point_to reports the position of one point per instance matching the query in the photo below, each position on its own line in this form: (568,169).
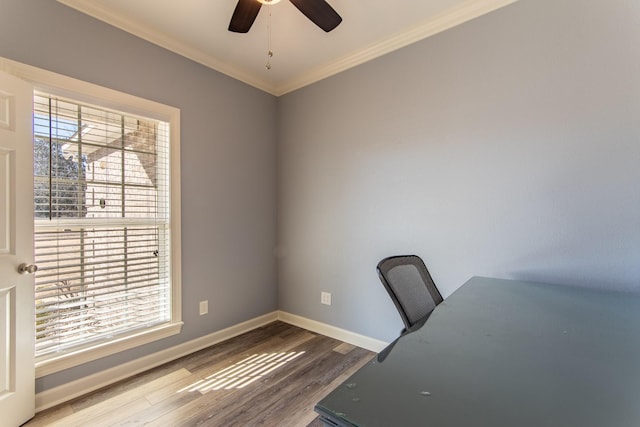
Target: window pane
(105,201)
(99,273)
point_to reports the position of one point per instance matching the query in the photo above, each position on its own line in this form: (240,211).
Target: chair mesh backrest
(410,286)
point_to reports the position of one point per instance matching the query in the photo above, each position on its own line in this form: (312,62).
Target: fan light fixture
(318,11)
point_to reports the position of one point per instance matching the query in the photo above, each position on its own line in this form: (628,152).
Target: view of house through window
(101,197)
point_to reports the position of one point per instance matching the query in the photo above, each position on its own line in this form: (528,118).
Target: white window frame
(63,86)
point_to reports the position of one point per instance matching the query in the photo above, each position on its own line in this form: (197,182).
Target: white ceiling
(303,53)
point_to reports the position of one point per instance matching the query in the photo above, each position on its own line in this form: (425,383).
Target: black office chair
(410,286)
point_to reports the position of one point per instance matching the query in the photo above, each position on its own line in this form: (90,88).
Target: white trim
(175,216)
(363,341)
(57,395)
(79,387)
(449,18)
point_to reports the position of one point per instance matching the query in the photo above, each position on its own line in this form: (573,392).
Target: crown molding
(447,19)
(442,22)
(149,34)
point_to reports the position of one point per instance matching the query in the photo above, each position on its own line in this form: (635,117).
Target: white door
(17,372)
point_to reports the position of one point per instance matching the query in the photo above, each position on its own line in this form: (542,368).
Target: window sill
(58,362)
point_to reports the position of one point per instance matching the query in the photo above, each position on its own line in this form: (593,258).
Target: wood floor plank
(202,372)
(305,414)
(105,419)
(106,393)
(283,370)
(249,406)
(213,406)
(51,416)
(292,395)
(344,348)
(276,330)
(145,416)
(120,406)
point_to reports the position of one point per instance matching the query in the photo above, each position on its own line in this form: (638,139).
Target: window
(105,231)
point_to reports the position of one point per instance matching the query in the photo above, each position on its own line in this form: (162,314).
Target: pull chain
(269,52)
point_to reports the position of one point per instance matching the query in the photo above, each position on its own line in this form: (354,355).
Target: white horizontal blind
(101,193)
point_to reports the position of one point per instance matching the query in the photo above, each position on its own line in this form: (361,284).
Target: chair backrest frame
(384,269)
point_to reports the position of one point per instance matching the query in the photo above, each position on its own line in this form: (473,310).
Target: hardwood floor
(271,376)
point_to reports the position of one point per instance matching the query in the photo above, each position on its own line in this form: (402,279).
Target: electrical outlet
(204,307)
(325,298)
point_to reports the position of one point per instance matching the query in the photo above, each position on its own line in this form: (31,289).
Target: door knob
(27,268)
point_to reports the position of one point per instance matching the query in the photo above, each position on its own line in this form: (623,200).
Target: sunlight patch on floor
(243,373)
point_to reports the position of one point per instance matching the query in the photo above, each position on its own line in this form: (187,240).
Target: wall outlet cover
(325,298)
(204,307)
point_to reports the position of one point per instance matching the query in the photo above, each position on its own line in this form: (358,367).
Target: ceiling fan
(318,11)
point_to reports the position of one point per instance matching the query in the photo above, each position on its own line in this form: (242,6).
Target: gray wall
(508,146)
(228,160)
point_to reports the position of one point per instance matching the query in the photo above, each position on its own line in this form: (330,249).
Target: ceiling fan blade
(244,15)
(319,12)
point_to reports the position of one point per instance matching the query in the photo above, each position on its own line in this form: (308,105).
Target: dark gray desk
(505,353)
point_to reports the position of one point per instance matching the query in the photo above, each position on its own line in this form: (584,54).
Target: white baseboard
(79,387)
(365,342)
